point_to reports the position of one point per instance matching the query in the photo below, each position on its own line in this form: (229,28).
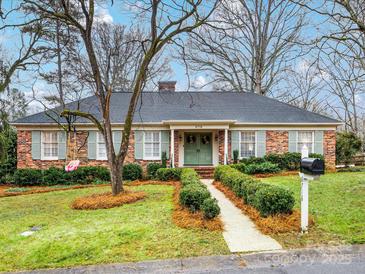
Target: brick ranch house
(200,129)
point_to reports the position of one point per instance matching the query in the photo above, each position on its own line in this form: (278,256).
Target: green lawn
(337,202)
(140,231)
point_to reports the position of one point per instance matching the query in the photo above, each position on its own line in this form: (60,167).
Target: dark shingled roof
(159,106)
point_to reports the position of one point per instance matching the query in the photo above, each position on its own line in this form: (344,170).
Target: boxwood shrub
(152,169)
(272,200)
(262,168)
(167,174)
(56,176)
(192,196)
(189,176)
(28,177)
(210,208)
(267,199)
(132,172)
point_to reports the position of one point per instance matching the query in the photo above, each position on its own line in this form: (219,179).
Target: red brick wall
(176,148)
(329,148)
(277,141)
(24,145)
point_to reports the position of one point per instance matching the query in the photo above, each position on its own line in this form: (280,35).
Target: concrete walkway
(240,232)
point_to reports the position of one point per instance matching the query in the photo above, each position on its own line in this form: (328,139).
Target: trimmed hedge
(193,194)
(284,161)
(132,172)
(152,169)
(267,199)
(271,200)
(167,174)
(55,176)
(262,168)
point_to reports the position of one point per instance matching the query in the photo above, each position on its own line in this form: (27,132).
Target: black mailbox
(312,166)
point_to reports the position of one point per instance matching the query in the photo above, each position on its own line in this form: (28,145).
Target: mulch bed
(281,223)
(37,189)
(284,173)
(181,216)
(107,200)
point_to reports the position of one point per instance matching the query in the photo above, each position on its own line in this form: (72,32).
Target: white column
(225,146)
(172,147)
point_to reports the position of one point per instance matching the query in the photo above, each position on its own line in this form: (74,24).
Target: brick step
(205,172)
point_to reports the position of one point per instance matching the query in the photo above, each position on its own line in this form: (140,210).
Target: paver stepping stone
(240,233)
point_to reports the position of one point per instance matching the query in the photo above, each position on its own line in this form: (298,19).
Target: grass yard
(140,231)
(337,202)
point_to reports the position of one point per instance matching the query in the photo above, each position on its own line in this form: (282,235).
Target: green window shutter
(117,140)
(261,143)
(293,137)
(62,149)
(91,145)
(318,141)
(235,141)
(36,144)
(165,142)
(138,144)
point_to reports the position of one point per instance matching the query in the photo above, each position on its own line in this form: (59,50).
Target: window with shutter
(49,145)
(247,144)
(152,145)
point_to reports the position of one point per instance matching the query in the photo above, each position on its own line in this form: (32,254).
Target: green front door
(198,149)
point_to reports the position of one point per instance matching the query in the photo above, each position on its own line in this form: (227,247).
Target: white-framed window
(49,145)
(247,144)
(152,145)
(305,138)
(100,147)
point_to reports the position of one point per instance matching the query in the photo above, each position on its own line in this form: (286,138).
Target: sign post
(304,195)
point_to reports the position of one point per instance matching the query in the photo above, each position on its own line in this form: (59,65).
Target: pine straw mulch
(284,173)
(181,216)
(107,200)
(271,225)
(37,189)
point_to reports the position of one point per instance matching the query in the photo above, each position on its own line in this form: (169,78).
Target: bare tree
(167,20)
(345,82)
(305,87)
(248,44)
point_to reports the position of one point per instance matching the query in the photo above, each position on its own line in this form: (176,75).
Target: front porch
(202,145)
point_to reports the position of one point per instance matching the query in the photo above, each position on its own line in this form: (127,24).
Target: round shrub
(28,177)
(210,208)
(152,169)
(132,172)
(193,195)
(274,200)
(250,190)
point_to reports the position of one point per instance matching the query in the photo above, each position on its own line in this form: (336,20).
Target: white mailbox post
(304,195)
(305,178)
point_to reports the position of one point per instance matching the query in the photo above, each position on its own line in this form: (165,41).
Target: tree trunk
(116,177)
